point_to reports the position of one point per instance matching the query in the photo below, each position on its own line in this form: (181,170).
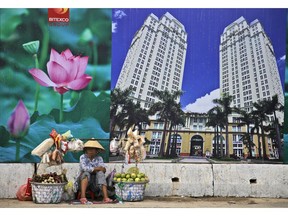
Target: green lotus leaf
(10,19)
(40,130)
(101,76)
(88,105)
(4,136)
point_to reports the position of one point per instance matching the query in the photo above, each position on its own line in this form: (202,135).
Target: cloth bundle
(52,150)
(134,147)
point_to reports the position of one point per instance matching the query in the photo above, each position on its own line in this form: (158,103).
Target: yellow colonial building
(196,139)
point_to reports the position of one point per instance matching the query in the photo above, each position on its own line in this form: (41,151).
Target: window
(156,135)
(154,147)
(236,128)
(178,139)
(144,125)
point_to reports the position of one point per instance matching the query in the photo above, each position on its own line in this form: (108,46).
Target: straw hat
(93,144)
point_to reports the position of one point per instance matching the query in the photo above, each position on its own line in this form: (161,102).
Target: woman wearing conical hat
(92,171)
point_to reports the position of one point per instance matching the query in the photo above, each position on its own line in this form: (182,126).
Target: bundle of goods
(52,150)
(134,147)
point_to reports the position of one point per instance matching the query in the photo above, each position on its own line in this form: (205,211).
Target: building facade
(248,67)
(196,139)
(155,59)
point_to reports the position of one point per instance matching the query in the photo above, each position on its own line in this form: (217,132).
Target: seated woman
(92,172)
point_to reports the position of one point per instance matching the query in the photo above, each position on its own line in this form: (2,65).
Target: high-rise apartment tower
(155,59)
(248,67)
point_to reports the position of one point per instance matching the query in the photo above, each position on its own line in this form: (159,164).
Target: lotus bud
(31,47)
(19,121)
(86,36)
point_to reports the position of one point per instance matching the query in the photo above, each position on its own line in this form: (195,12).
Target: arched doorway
(196,148)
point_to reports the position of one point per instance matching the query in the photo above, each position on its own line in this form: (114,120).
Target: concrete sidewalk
(164,202)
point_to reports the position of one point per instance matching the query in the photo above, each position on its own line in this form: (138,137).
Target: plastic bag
(110,177)
(24,193)
(68,192)
(43,147)
(113,146)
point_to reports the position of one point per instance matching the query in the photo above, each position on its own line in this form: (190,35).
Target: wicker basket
(130,191)
(47,193)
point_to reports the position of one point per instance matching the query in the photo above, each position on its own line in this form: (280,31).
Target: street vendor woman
(92,172)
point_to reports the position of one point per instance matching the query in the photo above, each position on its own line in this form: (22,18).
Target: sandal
(107,200)
(85,201)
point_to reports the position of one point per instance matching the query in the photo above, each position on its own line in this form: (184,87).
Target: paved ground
(164,202)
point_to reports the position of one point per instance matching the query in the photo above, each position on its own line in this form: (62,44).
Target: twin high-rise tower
(156,58)
(248,67)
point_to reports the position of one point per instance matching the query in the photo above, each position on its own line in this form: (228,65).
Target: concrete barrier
(250,180)
(167,179)
(12,177)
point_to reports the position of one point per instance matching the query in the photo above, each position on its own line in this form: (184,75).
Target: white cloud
(203,104)
(114,27)
(283,58)
(119,14)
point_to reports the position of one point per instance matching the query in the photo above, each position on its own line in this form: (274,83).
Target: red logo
(58,15)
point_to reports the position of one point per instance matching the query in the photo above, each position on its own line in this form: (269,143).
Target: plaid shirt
(87,165)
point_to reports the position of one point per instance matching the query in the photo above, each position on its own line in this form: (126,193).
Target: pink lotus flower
(65,72)
(19,121)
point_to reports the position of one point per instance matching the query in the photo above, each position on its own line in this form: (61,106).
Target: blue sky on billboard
(204,28)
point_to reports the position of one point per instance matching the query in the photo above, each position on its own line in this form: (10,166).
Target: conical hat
(93,144)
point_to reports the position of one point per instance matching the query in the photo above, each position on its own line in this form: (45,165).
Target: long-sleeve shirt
(87,165)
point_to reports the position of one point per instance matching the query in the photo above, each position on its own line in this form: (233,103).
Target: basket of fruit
(130,186)
(48,188)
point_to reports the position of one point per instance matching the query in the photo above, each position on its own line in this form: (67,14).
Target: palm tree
(176,119)
(260,112)
(212,123)
(119,98)
(216,120)
(273,105)
(257,128)
(246,119)
(225,104)
(135,115)
(271,133)
(164,107)
(119,121)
